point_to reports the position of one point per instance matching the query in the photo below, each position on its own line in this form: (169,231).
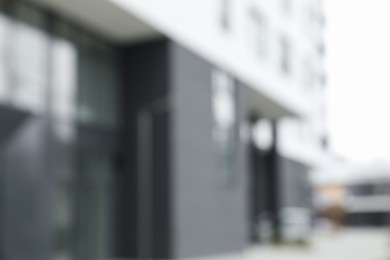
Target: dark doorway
(258,190)
(154,180)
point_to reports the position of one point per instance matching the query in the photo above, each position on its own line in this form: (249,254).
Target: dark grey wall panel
(194,211)
(209,217)
(295,188)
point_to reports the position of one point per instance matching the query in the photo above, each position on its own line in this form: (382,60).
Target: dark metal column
(274,191)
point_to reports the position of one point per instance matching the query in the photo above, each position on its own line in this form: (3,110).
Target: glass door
(154,181)
(85,210)
(93,206)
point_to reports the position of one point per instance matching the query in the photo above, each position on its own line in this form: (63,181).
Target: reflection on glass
(4,83)
(224,112)
(97,84)
(30,66)
(29,58)
(64,223)
(64,79)
(80,73)
(84,210)
(93,208)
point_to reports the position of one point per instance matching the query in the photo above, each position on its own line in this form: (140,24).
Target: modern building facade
(154,129)
(362,191)
(367,204)
(368,192)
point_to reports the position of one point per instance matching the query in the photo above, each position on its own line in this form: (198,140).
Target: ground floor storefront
(136,150)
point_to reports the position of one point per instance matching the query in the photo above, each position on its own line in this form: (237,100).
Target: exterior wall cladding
(209,214)
(294,184)
(154,177)
(198,213)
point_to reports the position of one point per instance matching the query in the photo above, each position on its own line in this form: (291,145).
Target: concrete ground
(363,244)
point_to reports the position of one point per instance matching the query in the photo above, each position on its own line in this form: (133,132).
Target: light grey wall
(209,216)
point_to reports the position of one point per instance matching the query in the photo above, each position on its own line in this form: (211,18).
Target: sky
(358,67)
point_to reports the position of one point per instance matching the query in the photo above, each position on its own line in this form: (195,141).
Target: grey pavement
(351,244)
(363,244)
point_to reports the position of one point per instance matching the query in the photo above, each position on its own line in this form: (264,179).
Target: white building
(138,140)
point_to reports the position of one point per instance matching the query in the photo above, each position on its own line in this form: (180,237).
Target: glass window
(64,222)
(29,68)
(83,216)
(258,31)
(363,189)
(382,189)
(308,75)
(4,57)
(224,112)
(83,80)
(285,55)
(94,208)
(225,14)
(64,79)
(98,81)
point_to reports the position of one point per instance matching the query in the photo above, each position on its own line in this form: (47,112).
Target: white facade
(273,47)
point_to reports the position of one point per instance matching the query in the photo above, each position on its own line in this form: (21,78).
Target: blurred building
(368,189)
(156,129)
(363,191)
(368,203)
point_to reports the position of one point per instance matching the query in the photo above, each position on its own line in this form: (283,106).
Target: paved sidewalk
(365,244)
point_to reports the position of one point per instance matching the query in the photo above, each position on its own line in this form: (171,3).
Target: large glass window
(87,79)
(30,60)
(94,207)
(83,212)
(85,86)
(97,102)
(64,79)
(4,76)
(70,78)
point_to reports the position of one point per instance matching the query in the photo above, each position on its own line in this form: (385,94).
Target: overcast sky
(358,64)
